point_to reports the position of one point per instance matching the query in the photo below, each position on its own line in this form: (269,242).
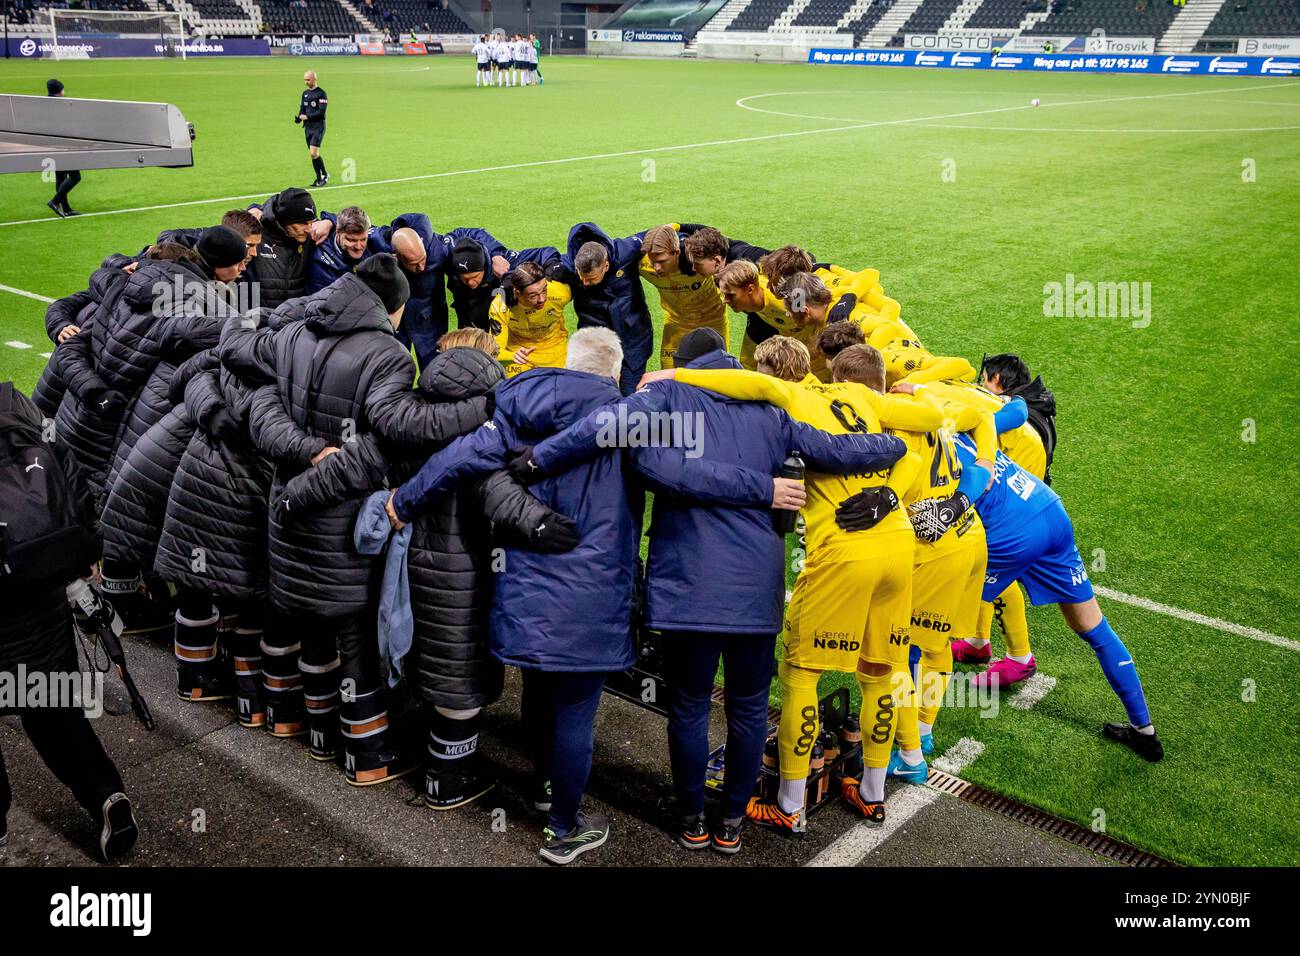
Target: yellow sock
(984,628)
(799,725)
(936,672)
(879,696)
(1011,616)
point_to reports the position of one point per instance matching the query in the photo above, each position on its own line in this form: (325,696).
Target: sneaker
(927,744)
(58,209)
(1004,672)
(771,815)
(119,831)
(907,772)
(693,835)
(873,812)
(542,796)
(69,211)
(1146,746)
(964,652)
(592,831)
(726,837)
(449,789)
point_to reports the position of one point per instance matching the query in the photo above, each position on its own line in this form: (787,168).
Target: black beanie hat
(468,256)
(696,343)
(53,87)
(294,205)
(221,247)
(385,279)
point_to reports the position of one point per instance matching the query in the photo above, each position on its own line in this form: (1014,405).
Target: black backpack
(41,538)
(1042,417)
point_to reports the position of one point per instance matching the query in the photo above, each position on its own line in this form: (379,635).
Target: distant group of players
(502,61)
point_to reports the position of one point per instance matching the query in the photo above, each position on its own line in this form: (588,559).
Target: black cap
(468,256)
(695,343)
(221,247)
(385,279)
(294,205)
(53,87)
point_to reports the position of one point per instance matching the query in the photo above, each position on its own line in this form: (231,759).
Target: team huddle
(327,541)
(506,61)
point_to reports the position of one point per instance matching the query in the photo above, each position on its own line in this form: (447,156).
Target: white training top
(480,51)
(503,52)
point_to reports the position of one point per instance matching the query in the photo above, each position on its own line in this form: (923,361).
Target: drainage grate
(1098,843)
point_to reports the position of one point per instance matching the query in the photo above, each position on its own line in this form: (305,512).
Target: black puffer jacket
(182,331)
(90,410)
(281,263)
(338,374)
(218,500)
(137,500)
(450,558)
(75,309)
(36,626)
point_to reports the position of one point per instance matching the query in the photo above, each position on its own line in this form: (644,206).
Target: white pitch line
(1204,620)
(424,177)
(1031,692)
(959,756)
(860,840)
(18,345)
(24,293)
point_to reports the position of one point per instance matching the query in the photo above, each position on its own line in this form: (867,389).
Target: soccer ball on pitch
(1034,101)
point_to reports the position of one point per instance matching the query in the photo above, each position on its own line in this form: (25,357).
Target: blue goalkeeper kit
(1031,540)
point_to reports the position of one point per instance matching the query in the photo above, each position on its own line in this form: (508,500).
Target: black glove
(932,517)
(843,308)
(523,468)
(491,403)
(555,535)
(866,509)
(223,425)
(558,272)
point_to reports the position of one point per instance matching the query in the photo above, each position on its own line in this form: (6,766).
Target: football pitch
(999,226)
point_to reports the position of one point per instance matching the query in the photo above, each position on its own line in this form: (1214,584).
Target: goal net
(161,32)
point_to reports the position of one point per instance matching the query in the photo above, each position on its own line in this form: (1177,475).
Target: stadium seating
(1003,13)
(759,16)
(930,16)
(422,16)
(1129,18)
(862,25)
(309,16)
(822,13)
(1256,18)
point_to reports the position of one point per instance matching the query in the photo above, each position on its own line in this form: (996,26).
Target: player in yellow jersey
(533,333)
(907,360)
(1022,444)
(851,606)
(813,302)
(745,289)
(689,301)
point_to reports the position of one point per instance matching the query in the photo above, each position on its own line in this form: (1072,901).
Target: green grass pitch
(1178,437)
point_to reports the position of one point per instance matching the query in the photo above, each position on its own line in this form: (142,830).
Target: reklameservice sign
(1064,63)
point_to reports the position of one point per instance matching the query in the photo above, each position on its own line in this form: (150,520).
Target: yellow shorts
(846,606)
(674,331)
(549,353)
(946,593)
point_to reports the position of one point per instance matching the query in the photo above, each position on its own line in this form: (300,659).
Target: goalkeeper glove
(932,517)
(866,509)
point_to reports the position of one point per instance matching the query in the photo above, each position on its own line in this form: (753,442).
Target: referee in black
(311,114)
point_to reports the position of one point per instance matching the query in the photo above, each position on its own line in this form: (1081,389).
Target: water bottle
(783,522)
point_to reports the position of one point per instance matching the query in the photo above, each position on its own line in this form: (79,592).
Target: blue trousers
(690,665)
(559,711)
